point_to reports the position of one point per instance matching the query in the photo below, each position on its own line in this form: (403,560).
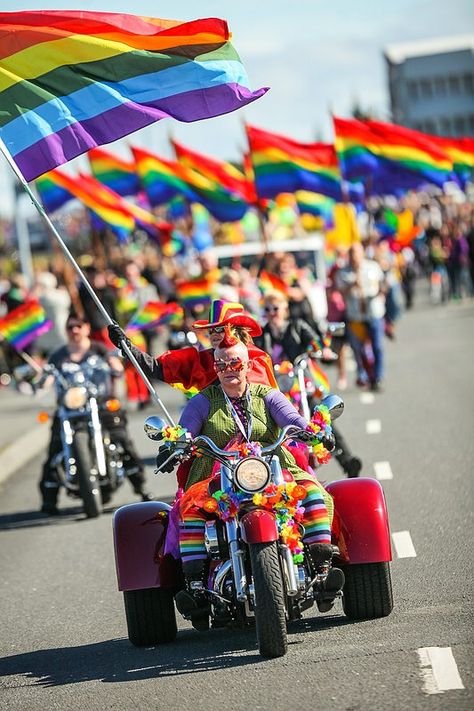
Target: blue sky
(316,56)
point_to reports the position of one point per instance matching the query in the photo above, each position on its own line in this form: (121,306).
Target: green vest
(220,426)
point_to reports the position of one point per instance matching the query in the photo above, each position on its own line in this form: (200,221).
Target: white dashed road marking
(383,471)
(439,670)
(367,398)
(373,426)
(403,544)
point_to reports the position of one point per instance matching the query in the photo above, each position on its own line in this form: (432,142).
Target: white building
(431,85)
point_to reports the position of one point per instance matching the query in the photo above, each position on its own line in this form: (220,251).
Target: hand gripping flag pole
(123,344)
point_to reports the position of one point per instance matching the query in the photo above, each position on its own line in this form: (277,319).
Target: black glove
(117,335)
(329,442)
(164,453)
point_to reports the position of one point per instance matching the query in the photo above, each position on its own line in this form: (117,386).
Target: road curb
(22,450)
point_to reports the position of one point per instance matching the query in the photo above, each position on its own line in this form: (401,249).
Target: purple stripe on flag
(32,335)
(109,126)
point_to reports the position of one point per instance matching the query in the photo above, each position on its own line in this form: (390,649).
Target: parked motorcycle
(90,465)
(255,576)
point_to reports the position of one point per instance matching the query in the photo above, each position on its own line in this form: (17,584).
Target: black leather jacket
(296,338)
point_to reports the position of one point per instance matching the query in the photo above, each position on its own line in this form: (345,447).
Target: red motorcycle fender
(360,527)
(259,526)
(139,539)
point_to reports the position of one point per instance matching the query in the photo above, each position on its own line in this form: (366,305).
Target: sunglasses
(217,329)
(271,309)
(234,364)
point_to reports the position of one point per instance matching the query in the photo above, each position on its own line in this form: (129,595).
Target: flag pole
(123,344)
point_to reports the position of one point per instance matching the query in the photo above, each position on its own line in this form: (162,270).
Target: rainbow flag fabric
(319,377)
(52,192)
(219,172)
(71,80)
(153,314)
(315,204)
(116,173)
(461,152)
(163,179)
(270,282)
(195,292)
(24,324)
(388,157)
(282,165)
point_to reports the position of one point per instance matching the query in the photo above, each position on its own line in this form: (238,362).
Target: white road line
(383,471)
(403,544)
(439,670)
(367,398)
(373,427)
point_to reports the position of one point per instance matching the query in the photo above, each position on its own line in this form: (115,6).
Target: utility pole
(23,237)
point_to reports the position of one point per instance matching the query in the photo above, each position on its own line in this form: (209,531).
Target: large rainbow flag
(461,152)
(116,173)
(315,204)
(24,324)
(282,165)
(388,157)
(163,179)
(220,172)
(71,80)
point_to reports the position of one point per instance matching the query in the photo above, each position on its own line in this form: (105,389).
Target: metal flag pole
(123,344)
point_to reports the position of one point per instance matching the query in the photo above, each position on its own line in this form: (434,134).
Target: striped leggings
(315,521)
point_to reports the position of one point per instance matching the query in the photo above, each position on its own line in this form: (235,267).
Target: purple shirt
(280,408)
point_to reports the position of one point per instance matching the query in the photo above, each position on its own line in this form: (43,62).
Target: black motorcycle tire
(151,617)
(367,591)
(89,487)
(270,616)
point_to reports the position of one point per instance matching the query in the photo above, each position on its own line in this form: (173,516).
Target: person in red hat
(188,368)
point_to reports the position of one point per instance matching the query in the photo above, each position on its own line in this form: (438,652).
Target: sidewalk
(21,436)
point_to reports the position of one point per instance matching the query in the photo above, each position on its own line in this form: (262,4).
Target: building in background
(431,85)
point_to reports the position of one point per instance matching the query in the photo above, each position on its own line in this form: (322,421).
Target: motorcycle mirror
(153,426)
(334,404)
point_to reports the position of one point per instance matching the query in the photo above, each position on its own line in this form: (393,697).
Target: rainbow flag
(270,282)
(319,376)
(153,314)
(52,193)
(389,157)
(219,172)
(196,292)
(117,174)
(163,179)
(71,80)
(282,165)
(461,152)
(24,324)
(315,204)
(110,210)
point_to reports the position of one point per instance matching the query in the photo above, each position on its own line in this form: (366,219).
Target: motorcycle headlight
(75,398)
(252,474)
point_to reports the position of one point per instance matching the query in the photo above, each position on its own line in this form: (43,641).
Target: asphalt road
(62,627)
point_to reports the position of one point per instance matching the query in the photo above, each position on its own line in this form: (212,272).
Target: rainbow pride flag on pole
(219,172)
(71,80)
(24,324)
(117,174)
(389,157)
(163,179)
(461,152)
(153,314)
(270,282)
(195,292)
(282,165)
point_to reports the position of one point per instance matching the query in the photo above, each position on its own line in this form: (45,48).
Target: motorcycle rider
(191,368)
(230,411)
(78,349)
(286,338)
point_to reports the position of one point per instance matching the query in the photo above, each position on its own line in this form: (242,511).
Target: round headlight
(252,474)
(75,398)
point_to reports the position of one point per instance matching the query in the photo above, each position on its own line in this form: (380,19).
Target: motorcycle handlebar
(234,452)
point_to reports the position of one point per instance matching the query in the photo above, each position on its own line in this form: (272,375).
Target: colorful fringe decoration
(71,80)
(320,426)
(24,324)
